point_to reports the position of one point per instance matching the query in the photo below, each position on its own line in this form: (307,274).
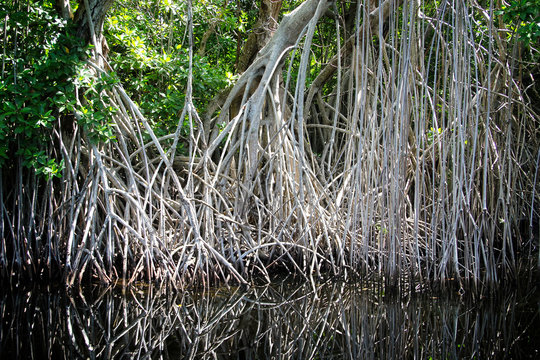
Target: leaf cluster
(43,68)
(524,16)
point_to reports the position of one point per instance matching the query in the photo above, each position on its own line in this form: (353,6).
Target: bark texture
(90,16)
(263,31)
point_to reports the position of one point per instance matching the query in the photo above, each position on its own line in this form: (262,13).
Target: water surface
(290,319)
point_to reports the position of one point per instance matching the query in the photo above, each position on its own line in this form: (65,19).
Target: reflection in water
(283,321)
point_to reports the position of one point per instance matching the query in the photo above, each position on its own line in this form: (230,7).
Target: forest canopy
(201,141)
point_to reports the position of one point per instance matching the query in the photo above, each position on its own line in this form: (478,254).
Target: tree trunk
(89,23)
(263,30)
(63,8)
(89,18)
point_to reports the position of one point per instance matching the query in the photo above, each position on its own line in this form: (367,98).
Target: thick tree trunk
(263,31)
(90,22)
(90,17)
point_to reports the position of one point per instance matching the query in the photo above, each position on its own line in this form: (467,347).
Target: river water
(289,319)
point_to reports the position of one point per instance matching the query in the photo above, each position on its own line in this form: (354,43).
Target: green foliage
(95,111)
(44,65)
(524,17)
(149,51)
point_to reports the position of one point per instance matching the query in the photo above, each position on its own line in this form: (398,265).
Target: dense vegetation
(220,140)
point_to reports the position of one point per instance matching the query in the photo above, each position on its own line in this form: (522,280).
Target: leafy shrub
(44,64)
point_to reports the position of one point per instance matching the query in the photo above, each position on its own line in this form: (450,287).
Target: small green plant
(432,134)
(381,229)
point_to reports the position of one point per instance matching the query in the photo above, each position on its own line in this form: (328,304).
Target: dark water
(287,320)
